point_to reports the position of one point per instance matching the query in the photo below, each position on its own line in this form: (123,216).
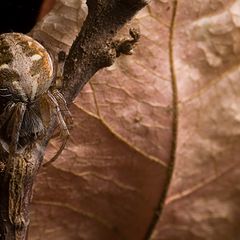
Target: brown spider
(26,100)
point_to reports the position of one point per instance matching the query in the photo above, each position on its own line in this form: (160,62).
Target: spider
(27,99)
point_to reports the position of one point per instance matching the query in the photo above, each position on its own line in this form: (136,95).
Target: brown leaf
(204,196)
(60,26)
(174,102)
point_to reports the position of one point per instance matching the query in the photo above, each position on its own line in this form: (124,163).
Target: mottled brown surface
(110,180)
(111,177)
(18,170)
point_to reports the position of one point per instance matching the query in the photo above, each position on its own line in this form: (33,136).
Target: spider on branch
(28,99)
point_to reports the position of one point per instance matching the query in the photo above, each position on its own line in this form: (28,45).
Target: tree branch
(93,49)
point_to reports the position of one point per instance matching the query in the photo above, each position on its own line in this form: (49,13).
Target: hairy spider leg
(7,112)
(17,119)
(4,117)
(63,108)
(63,127)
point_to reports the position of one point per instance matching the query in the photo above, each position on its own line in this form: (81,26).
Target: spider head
(26,68)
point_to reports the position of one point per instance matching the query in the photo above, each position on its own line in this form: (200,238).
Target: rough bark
(93,49)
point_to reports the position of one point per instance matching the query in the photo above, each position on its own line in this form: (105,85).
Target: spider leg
(16,121)
(63,127)
(63,108)
(6,113)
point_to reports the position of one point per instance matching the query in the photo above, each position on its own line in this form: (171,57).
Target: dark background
(18,16)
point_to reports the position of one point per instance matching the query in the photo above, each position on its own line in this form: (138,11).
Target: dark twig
(94,47)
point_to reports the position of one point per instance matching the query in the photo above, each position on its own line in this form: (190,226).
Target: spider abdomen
(26,68)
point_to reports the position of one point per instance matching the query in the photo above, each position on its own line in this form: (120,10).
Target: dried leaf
(204,196)
(175,102)
(58,29)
